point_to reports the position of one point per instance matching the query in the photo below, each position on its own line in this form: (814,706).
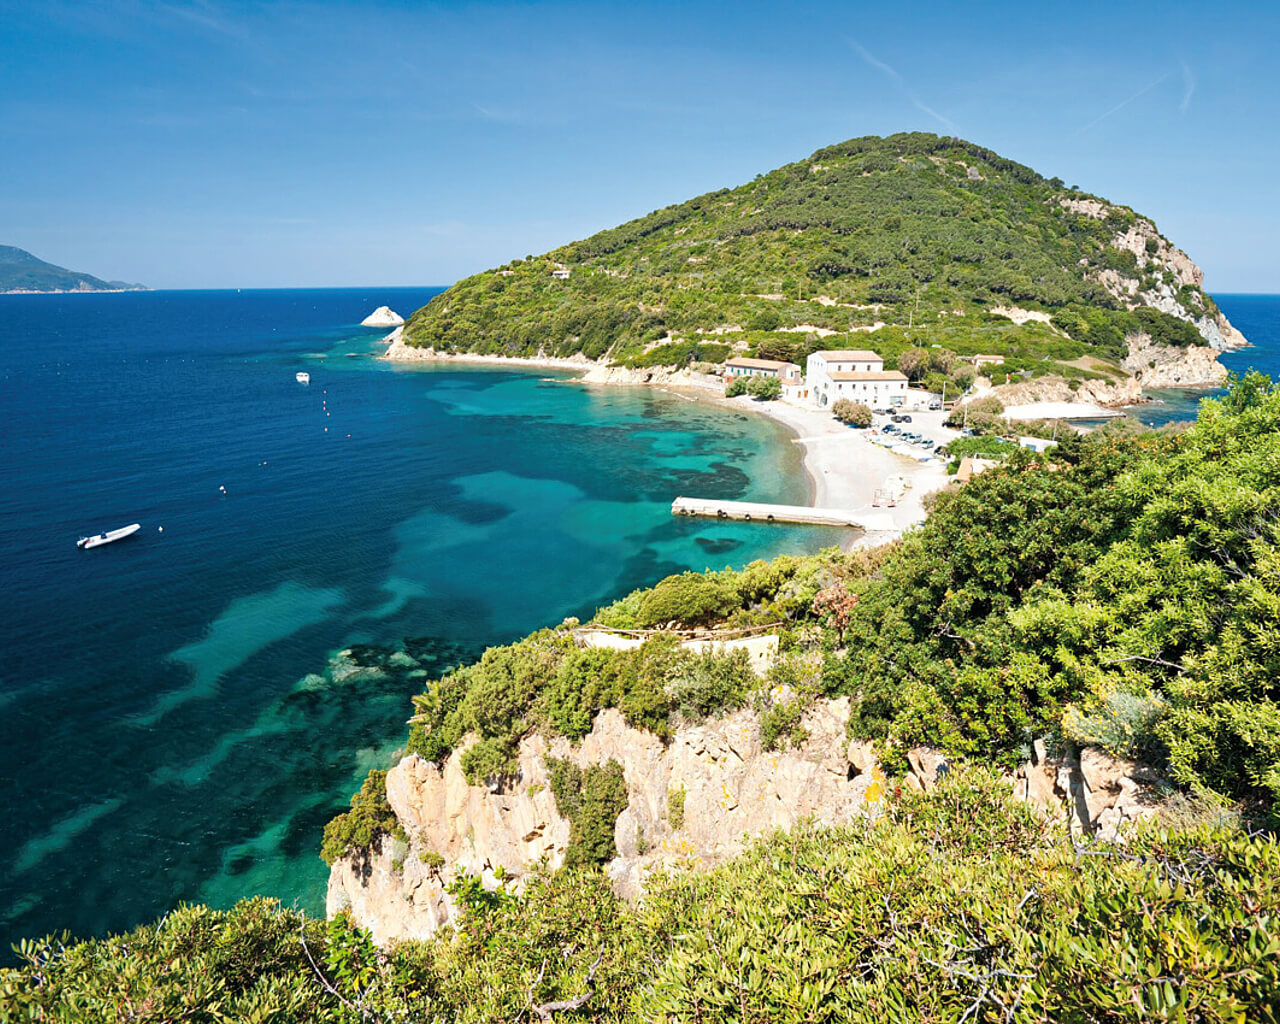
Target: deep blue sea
(175,723)
(176,719)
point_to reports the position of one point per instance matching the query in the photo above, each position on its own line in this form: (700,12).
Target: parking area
(916,434)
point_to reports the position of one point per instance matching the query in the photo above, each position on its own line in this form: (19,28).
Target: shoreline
(841,467)
(398,351)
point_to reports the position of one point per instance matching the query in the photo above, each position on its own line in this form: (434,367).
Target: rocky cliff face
(1056,389)
(1157,366)
(1168,267)
(383,316)
(691,804)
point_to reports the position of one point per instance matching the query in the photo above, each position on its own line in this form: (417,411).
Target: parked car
(926,443)
(904,418)
(935,405)
(889,428)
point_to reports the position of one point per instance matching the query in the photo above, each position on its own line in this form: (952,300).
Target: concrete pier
(755,511)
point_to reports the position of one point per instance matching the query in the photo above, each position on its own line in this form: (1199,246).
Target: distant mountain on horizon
(22,272)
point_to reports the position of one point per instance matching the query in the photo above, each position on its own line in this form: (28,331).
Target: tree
(737,386)
(765,389)
(776,349)
(855,414)
(914,362)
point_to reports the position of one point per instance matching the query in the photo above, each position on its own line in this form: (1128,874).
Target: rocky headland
(691,803)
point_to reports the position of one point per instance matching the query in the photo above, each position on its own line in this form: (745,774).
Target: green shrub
(709,683)
(765,389)
(591,799)
(767,319)
(855,414)
(1123,723)
(984,446)
(981,413)
(491,758)
(780,726)
(242,964)
(586,682)
(369,819)
(675,807)
(737,386)
(960,901)
(954,899)
(690,599)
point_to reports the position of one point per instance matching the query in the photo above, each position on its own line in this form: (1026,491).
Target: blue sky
(208,144)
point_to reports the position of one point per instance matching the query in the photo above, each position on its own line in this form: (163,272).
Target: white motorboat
(303,377)
(97,540)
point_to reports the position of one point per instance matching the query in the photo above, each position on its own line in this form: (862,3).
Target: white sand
(398,351)
(847,469)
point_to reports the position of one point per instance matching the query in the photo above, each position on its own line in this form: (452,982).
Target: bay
(177,721)
(177,718)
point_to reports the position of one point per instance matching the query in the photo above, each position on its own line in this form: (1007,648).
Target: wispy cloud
(207,16)
(1125,102)
(900,83)
(1188,87)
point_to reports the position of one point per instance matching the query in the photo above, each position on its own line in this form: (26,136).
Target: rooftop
(859,354)
(759,364)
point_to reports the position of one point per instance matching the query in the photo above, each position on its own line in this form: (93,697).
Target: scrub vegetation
(949,904)
(1117,590)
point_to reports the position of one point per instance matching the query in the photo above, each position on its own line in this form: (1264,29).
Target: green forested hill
(22,272)
(925,234)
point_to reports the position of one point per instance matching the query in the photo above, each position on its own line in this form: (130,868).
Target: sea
(181,712)
(1257,317)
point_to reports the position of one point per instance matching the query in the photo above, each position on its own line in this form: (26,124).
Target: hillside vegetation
(1122,592)
(952,906)
(1119,591)
(926,235)
(22,272)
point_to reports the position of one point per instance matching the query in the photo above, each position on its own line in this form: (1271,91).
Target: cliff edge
(690,804)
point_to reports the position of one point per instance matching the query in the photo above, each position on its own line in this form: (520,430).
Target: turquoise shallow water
(175,717)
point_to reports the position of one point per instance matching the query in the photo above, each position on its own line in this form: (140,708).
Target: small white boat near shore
(97,540)
(302,378)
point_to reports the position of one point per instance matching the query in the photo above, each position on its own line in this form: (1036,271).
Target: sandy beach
(847,469)
(844,468)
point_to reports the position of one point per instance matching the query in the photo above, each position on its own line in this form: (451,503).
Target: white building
(855,374)
(743,366)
